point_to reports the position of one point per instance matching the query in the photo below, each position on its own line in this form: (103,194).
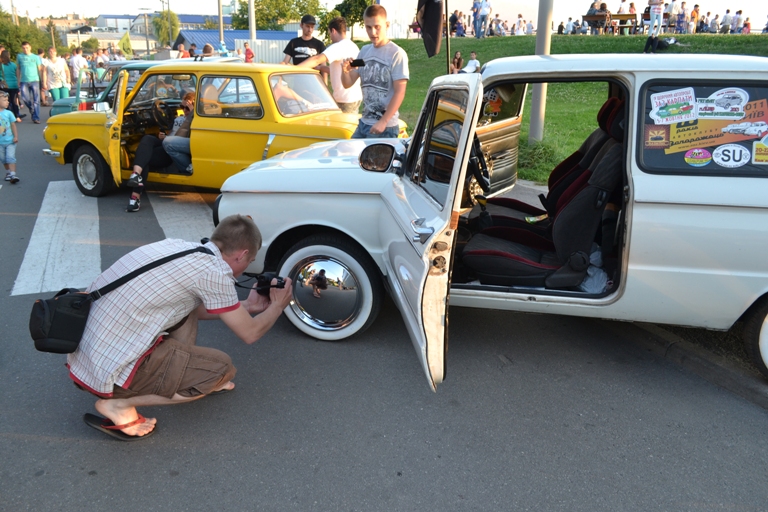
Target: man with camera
(138,348)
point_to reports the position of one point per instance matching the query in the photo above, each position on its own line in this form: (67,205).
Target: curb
(715,369)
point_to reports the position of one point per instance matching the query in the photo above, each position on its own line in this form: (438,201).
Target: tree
(90,45)
(273,14)
(353,10)
(323,18)
(160,26)
(211,23)
(12,36)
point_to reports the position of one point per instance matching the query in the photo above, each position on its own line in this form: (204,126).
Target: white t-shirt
(472,66)
(77,63)
(335,53)
(56,74)
(485,8)
(623,9)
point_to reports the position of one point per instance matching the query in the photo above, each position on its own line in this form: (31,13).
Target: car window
(715,128)
(300,93)
(229,97)
(439,143)
(164,87)
(501,102)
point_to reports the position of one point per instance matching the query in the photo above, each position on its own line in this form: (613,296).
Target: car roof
(228,67)
(624,63)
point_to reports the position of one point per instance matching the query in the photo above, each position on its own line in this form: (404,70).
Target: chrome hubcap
(86,171)
(326,304)
(763,341)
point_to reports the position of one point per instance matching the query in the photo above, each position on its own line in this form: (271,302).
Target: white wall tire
(756,335)
(354,295)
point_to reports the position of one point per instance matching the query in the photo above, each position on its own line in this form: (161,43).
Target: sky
(757,10)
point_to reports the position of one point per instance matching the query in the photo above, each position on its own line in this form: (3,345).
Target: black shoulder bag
(57,324)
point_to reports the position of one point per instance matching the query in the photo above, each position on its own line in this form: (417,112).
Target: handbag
(57,324)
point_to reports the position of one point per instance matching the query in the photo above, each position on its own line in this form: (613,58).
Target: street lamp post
(146,27)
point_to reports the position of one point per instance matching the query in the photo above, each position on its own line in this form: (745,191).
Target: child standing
(8,139)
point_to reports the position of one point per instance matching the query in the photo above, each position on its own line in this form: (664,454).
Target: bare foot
(227,386)
(120,415)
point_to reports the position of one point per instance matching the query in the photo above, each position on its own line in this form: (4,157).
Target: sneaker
(8,176)
(133,205)
(14,179)
(189,169)
(135,181)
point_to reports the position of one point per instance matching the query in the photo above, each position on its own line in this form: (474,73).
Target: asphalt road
(537,412)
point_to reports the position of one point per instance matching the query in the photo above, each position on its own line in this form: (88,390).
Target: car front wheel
(91,172)
(337,288)
(756,335)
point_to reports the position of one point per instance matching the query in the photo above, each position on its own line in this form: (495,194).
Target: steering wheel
(161,116)
(480,171)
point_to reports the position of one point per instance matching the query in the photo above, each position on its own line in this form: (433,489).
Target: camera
(264,282)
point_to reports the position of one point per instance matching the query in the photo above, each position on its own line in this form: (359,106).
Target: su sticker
(731,156)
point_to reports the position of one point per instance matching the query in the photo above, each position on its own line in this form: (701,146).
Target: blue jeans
(363,131)
(476,25)
(8,153)
(178,149)
(482,28)
(30,95)
(657,20)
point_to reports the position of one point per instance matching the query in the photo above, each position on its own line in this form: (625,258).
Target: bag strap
(96,294)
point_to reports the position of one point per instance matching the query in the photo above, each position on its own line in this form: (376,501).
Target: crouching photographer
(139,345)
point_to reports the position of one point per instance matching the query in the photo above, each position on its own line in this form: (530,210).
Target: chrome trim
(708,205)
(270,140)
(268,133)
(54,154)
(295,192)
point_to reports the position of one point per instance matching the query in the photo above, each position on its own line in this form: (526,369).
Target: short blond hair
(375,10)
(235,233)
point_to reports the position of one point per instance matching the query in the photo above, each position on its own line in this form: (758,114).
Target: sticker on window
(698,157)
(674,106)
(760,152)
(723,104)
(731,156)
(656,137)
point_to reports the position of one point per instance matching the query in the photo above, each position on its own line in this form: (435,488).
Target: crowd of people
(659,16)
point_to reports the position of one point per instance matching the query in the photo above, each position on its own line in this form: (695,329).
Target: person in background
(485,11)
(347,98)
(28,73)
(56,76)
(11,86)
(473,65)
(476,18)
(747,28)
(714,25)
(383,79)
(725,23)
(569,26)
(657,17)
(736,22)
(248,53)
(456,63)
(8,139)
(207,50)
(305,46)
(561,28)
(76,63)
(460,30)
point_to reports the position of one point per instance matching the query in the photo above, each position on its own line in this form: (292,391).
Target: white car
(757,129)
(650,220)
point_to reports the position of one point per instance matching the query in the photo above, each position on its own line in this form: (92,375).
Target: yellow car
(243,113)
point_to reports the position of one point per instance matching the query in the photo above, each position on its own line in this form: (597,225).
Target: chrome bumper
(54,154)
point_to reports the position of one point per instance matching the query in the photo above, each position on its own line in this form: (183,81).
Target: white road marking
(64,249)
(182,215)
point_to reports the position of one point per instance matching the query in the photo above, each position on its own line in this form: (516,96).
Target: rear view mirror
(182,78)
(377,158)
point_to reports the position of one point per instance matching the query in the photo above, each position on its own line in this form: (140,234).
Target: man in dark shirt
(301,48)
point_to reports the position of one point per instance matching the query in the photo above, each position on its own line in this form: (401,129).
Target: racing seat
(506,211)
(509,256)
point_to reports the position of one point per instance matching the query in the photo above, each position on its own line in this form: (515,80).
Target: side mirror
(377,157)
(102,106)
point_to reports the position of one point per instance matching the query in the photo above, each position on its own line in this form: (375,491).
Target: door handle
(421,233)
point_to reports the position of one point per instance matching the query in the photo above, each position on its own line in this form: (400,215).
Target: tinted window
(704,128)
(300,93)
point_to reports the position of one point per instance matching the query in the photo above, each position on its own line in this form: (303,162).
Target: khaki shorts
(177,367)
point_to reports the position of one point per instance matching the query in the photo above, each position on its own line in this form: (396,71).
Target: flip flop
(105,425)
(219,392)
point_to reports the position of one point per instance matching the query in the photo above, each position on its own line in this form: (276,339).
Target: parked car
(90,90)
(649,220)
(244,113)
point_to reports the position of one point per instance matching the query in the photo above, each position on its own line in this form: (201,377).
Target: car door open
(115,123)
(424,205)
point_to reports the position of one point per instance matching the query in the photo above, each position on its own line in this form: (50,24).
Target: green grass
(563,133)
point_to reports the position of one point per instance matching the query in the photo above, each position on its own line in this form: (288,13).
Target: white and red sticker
(724,104)
(760,151)
(673,107)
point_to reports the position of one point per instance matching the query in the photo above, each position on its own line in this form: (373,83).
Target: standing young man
(305,46)
(29,70)
(348,99)
(248,53)
(384,78)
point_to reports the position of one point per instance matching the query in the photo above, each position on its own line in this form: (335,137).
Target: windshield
(300,93)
